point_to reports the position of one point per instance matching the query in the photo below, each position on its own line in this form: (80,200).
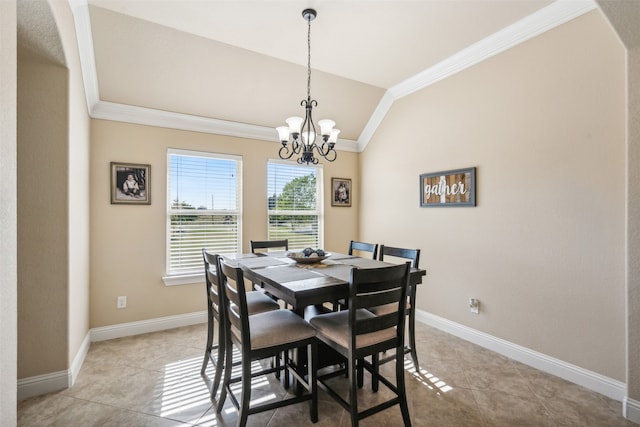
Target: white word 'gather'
(442,188)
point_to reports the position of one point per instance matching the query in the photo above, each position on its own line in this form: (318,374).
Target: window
(203,208)
(295,204)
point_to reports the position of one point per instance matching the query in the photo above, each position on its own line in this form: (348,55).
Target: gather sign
(449,188)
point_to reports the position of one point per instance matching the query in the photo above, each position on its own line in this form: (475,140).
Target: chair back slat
(211,279)
(377,299)
(234,300)
(364,247)
(412,255)
(378,323)
(269,244)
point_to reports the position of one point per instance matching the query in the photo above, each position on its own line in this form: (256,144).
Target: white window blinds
(204,207)
(295,204)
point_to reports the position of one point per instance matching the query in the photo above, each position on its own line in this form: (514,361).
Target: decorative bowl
(301,259)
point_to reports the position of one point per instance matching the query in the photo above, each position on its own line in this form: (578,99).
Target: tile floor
(154,380)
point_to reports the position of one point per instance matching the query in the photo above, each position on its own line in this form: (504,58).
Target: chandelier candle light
(303,131)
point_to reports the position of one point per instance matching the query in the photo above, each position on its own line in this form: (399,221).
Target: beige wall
(8,225)
(53,194)
(42,217)
(544,249)
(633,209)
(128,242)
(624,17)
(77,185)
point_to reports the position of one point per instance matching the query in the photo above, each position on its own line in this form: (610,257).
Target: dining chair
(260,246)
(357,333)
(256,303)
(257,245)
(413,256)
(363,247)
(260,336)
(359,247)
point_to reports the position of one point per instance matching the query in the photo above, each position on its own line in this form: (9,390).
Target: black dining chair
(356,333)
(259,245)
(413,256)
(256,303)
(258,337)
(360,247)
(357,248)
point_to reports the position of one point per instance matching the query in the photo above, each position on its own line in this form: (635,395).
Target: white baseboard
(54,381)
(631,410)
(599,383)
(145,326)
(43,384)
(79,359)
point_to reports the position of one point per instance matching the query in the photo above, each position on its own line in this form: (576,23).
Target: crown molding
(84,37)
(557,13)
(167,119)
(554,15)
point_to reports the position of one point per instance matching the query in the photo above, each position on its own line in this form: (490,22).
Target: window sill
(183,279)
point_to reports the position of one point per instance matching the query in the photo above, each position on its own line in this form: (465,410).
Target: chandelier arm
(331,155)
(327,152)
(283,152)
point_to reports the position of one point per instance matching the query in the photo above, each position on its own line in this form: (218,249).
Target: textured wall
(544,249)
(42,218)
(633,212)
(8,226)
(624,17)
(78,185)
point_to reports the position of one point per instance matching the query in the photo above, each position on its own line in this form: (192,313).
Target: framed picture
(448,189)
(340,192)
(130,184)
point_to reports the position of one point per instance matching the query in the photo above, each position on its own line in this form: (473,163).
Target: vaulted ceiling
(238,67)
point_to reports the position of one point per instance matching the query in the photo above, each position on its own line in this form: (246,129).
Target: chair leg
(412,340)
(360,373)
(207,352)
(228,367)
(375,362)
(353,396)
(285,372)
(220,361)
(402,393)
(312,363)
(243,412)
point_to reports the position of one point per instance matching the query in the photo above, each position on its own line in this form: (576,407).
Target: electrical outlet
(122,302)
(474,305)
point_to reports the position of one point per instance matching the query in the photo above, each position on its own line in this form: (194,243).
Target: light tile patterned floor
(154,380)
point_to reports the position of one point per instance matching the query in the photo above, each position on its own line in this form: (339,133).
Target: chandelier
(303,131)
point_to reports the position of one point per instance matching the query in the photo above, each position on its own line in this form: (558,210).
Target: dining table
(308,284)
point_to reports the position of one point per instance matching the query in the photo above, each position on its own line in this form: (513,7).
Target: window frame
(319,211)
(195,275)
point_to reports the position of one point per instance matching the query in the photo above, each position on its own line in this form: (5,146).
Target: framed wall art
(448,189)
(341,192)
(130,184)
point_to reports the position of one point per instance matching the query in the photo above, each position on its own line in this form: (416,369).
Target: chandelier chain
(309,59)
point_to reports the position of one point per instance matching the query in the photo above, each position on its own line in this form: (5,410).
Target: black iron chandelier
(303,131)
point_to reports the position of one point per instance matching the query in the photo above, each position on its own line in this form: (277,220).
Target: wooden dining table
(308,286)
(303,285)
